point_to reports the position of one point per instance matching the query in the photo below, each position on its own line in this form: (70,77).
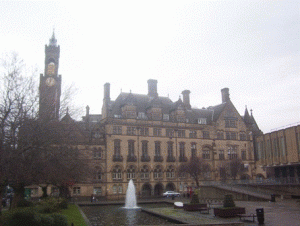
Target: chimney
(152,88)
(186,98)
(107,91)
(225,95)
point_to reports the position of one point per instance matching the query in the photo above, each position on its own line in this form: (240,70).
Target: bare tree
(195,167)
(231,168)
(26,143)
(18,102)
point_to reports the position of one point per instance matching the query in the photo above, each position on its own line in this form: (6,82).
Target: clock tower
(50,83)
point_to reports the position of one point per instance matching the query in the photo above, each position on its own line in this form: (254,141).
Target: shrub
(47,220)
(195,199)
(63,204)
(24,203)
(228,201)
(24,217)
(52,205)
(59,219)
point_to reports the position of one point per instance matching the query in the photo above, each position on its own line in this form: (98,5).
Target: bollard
(260,215)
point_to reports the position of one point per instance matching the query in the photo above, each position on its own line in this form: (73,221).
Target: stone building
(145,137)
(279,154)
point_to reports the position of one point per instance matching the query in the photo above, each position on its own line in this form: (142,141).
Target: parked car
(171,194)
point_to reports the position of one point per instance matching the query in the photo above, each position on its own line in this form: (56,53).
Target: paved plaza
(279,213)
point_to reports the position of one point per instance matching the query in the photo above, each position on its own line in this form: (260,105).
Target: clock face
(50,81)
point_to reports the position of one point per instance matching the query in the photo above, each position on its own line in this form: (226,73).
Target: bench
(204,209)
(247,217)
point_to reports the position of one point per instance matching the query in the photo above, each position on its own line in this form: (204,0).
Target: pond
(117,215)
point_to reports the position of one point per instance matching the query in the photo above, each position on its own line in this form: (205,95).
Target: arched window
(131,172)
(117,173)
(206,153)
(98,174)
(97,153)
(157,173)
(145,172)
(170,172)
(193,150)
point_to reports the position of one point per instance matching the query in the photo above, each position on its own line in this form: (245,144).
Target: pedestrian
(92,197)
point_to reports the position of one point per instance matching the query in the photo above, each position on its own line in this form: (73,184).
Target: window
(169,132)
(181,149)
(170,148)
(157,148)
(144,148)
(220,135)
(144,131)
(232,152)
(117,147)
(206,154)
(230,123)
(243,136)
(193,134)
(193,150)
(166,117)
(205,134)
(221,155)
(131,130)
(117,173)
(117,116)
(97,191)
(181,133)
(157,132)
(170,172)
(244,155)
(202,121)
(157,172)
(115,189)
(117,129)
(97,153)
(34,191)
(142,115)
(131,148)
(131,172)
(230,135)
(98,174)
(76,190)
(120,189)
(145,173)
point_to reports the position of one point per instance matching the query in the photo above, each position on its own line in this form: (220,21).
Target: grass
(74,216)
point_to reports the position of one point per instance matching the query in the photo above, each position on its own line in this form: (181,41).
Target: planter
(229,212)
(194,207)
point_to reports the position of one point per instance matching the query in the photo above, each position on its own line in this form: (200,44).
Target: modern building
(279,154)
(145,137)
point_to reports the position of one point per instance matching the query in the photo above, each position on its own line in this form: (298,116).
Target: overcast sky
(251,47)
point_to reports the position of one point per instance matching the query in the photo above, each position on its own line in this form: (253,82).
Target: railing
(145,158)
(131,158)
(118,158)
(158,159)
(182,159)
(170,158)
(269,181)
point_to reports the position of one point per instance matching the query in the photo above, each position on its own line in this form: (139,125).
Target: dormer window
(166,117)
(202,121)
(142,115)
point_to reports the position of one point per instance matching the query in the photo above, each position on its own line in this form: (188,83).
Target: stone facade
(145,137)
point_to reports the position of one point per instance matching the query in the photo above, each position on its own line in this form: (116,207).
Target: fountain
(130,202)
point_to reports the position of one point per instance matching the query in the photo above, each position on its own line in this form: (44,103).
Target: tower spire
(53,40)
